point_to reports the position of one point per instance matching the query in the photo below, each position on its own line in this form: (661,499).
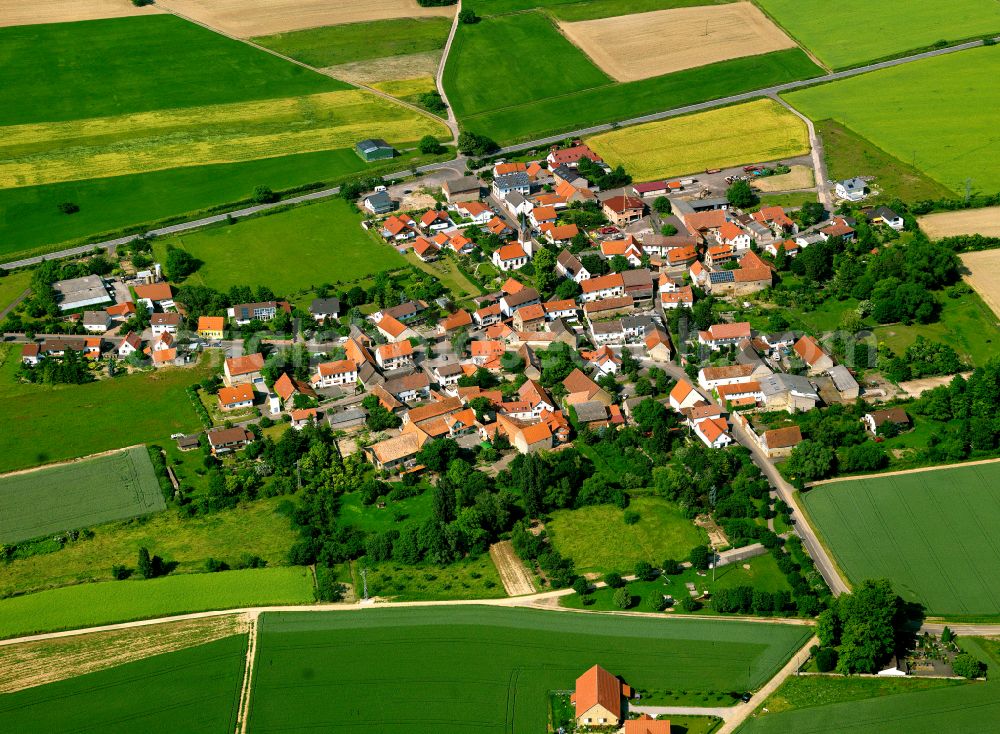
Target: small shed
(374,149)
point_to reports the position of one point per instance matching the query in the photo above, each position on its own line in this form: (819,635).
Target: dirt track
(249,18)
(516,579)
(26,12)
(904,471)
(643,45)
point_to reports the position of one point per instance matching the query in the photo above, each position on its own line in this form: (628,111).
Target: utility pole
(968,190)
(364,582)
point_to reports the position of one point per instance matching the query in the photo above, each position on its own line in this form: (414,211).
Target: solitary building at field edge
(374,149)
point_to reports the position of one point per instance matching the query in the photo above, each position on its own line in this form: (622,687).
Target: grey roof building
(79,292)
(374,149)
(322,308)
(379,202)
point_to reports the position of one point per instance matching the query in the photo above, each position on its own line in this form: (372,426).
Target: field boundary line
(66,462)
(243,712)
(901,472)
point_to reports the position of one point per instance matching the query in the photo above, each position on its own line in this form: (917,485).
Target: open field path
(243,712)
(918,470)
(822,187)
(457,165)
(7,309)
(515,577)
(439,77)
(722,712)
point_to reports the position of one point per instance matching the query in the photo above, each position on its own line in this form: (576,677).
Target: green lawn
(833,32)
(472,578)
(523,50)
(930,533)
(370,518)
(946,146)
(479,669)
(31,223)
(874,706)
(519,119)
(87,605)
(793,199)
(251,528)
(848,154)
(52,423)
(293,249)
(192,690)
(122,65)
(13,285)
(75,495)
(597,538)
(762,575)
(340,44)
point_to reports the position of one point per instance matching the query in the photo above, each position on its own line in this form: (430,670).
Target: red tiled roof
(245,365)
(598,687)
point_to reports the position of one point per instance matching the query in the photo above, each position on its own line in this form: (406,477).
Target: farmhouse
(396,453)
(844,381)
(330,374)
(161,323)
(225,440)
(96,321)
(791,393)
(571,156)
(622,210)
(211,328)
(719,335)
(877,418)
(581,389)
(160,294)
(81,292)
(245,369)
(393,329)
(813,355)
(658,345)
(779,442)
(598,698)
(465,188)
(611,285)
(461,319)
(395,355)
(515,299)
(374,149)
(646,724)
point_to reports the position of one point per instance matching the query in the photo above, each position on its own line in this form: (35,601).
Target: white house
(851,189)
(713,432)
(510,257)
(131,343)
(511,182)
(394,356)
(684,396)
(733,235)
(611,285)
(330,374)
(164,323)
(568,265)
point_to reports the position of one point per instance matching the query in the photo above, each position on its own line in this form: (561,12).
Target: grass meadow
(52,423)
(152,63)
(340,44)
(831,31)
(518,119)
(930,532)
(757,131)
(69,496)
(598,540)
(479,669)
(317,243)
(88,605)
(183,542)
(469,579)
(932,138)
(808,705)
(31,223)
(13,285)
(192,690)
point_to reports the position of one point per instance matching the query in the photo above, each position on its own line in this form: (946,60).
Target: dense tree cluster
(923,358)
(71,369)
(973,403)
(865,627)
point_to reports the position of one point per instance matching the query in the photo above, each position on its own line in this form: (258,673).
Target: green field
(88,605)
(30,221)
(75,495)
(867,706)
(151,63)
(833,32)
(930,533)
(192,690)
(896,117)
(340,44)
(478,669)
(252,528)
(517,119)
(597,538)
(287,251)
(524,52)
(69,421)
(469,579)
(12,285)
(572,10)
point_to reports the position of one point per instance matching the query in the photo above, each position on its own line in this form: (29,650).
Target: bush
(120,573)
(622,598)
(656,602)
(68,207)
(672,567)
(468,16)
(477,145)
(213,565)
(429,145)
(690,604)
(614,580)
(644,571)
(699,557)
(263,195)
(581,586)
(968,666)
(826,659)
(631,517)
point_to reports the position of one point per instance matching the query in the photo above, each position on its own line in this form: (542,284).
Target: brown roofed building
(598,698)
(813,355)
(623,210)
(238,370)
(646,724)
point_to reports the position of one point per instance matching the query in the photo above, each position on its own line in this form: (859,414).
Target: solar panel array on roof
(721,276)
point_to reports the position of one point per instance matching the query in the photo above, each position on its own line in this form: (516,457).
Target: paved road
(458,164)
(818,157)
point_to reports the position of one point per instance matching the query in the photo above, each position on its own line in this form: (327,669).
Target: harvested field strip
(341,44)
(77,494)
(18,12)
(929,532)
(592,9)
(52,152)
(984,276)
(969,221)
(387,69)
(190,690)
(754,132)
(263,17)
(31,664)
(644,45)
(515,577)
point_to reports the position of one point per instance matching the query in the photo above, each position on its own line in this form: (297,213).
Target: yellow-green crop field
(406,87)
(50,152)
(757,131)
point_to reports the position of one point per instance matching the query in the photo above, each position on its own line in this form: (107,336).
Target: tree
(180,263)
(429,145)
(811,460)
(968,666)
(867,456)
(781,258)
(470,143)
(432,101)
(661,204)
(668,230)
(546,277)
(614,580)
(145,563)
(68,207)
(699,557)
(581,586)
(619,263)
(622,598)
(828,628)
(690,604)
(644,571)
(826,659)
(810,213)
(672,567)
(263,195)
(868,618)
(740,195)
(468,16)
(567,289)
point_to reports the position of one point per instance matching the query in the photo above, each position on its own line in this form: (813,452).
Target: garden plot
(644,45)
